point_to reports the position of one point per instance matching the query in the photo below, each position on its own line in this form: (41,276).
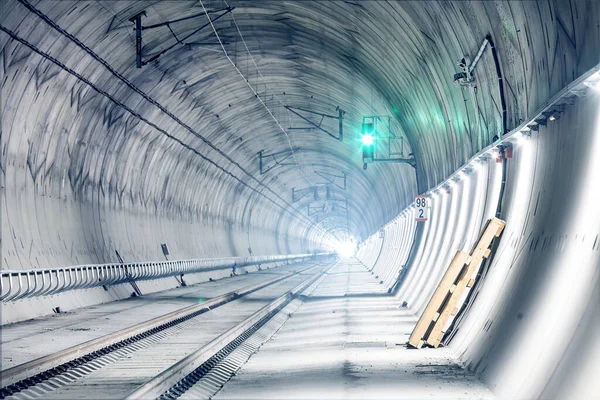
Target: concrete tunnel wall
(84,178)
(81,178)
(532,329)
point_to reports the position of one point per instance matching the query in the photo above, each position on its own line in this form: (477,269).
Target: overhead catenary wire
(247,80)
(48,57)
(296,213)
(182,41)
(267,89)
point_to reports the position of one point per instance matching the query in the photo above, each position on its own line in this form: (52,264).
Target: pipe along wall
(531,325)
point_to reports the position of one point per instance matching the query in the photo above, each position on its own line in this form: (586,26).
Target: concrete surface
(84,177)
(29,340)
(134,158)
(345,342)
(117,379)
(537,307)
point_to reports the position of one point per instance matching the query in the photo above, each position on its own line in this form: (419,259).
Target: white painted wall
(533,327)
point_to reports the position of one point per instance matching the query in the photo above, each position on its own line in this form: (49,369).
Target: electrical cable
(48,57)
(267,88)
(90,52)
(252,89)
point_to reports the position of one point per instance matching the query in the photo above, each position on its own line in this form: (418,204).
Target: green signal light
(367,139)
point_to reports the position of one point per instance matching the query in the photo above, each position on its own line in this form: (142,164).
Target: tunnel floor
(346,339)
(28,340)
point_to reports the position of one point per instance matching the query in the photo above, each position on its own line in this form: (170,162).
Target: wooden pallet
(460,274)
(435,305)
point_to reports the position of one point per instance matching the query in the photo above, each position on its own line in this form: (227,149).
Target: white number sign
(421,208)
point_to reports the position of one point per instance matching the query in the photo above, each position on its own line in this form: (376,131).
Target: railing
(17,285)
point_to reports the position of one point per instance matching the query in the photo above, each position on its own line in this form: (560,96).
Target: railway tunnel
(269,199)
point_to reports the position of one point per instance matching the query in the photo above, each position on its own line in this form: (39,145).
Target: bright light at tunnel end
(346,248)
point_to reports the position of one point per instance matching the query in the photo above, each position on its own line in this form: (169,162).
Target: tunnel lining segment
(295,213)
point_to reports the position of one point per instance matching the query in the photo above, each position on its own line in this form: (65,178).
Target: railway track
(130,362)
(206,370)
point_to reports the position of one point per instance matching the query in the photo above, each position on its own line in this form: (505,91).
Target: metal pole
(138,38)
(341,123)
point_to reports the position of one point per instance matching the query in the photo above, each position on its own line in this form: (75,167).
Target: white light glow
(521,139)
(345,249)
(593,82)
(518,138)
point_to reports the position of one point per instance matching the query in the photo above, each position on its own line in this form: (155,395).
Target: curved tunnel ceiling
(202,118)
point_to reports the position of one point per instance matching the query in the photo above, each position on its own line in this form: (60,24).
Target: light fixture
(593,82)
(518,138)
(476,165)
(367,139)
(554,113)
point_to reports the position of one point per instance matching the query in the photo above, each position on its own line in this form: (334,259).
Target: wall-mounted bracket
(299,194)
(317,126)
(376,127)
(411,161)
(137,20)
(334,179)
(332,207)
(138,33)
(341,204)
(393,153)
(314,210)
(278,158)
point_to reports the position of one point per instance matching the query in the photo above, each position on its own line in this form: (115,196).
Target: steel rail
(28,374)
(189,370)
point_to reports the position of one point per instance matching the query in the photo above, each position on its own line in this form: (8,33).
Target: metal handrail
(20,284)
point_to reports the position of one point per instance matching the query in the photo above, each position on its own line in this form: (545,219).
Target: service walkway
(348,341)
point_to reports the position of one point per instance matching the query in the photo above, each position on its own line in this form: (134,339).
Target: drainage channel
(204,372)
(38,377)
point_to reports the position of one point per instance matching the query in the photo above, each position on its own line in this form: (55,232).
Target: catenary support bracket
(318,126)
(279,158)
(333,179)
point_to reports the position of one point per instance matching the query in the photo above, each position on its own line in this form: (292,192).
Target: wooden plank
(492,229)
(431,311)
